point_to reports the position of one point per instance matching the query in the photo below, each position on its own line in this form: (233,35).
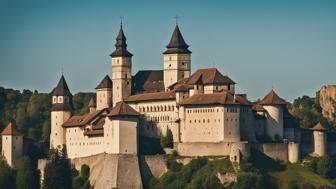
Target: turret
(121,69)
(12,144)
(104,93)
(274,106)
(60,112)
(320,139)
(176,59)
(92,105)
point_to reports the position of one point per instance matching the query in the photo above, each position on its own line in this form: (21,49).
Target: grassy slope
(280,174)
(298,174)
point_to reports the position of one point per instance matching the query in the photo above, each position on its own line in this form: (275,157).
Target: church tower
(60,112)
(176,59)
(121,69)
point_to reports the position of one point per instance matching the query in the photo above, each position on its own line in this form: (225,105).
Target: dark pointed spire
(62,88)
(91,103)
(106,83)
(177,43)
(121,46)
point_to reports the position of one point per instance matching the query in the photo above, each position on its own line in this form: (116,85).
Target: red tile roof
(272,99)
(216,98)
(151,97)
(11,130)
(209,76)
(319,127)
(123,109)
(81,120)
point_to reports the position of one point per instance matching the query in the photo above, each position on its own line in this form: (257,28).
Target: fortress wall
(203,124)
(275,150)
(212,149)
(112,171)
(152,166)
(203,149)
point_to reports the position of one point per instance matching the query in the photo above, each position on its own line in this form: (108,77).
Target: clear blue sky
(290,45)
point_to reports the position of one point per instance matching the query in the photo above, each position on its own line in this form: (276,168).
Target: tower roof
(209,76)
(106,83)
(121,46)
(91,103)
(177,43)
(62,88)
(11,130)
(318,127)
(123,109)
(272,99)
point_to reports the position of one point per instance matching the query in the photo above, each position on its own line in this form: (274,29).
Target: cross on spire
(176,19)
(121,18)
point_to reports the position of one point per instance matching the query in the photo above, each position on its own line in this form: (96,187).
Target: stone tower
(274,105)
(104,93)
(92,105)
(121,69)
(12,144)
(176,59)
(320,139)
(60,112)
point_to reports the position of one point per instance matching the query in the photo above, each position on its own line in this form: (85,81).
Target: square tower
(176,59)
(12,144)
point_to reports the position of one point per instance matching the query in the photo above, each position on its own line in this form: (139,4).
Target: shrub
(167,141)
(85,171)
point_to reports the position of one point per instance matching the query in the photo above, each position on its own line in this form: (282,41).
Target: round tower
(320,139)
(121,69)
(60,112)
(176,59)
(274,105)
(104,94)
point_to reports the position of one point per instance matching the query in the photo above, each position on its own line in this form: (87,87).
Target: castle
(202,110)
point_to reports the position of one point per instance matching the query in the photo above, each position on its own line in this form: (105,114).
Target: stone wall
(277,151)
(112,171)
(152,166)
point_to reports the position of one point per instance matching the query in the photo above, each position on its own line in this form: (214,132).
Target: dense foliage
(7,175)
(324,166)
(308,112)
(199,173)
(30,112)
(81,181)
(58,171)
(27,176)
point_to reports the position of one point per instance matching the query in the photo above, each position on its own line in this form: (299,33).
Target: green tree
(27,176)
(7,175)
(167,141)
(58,172)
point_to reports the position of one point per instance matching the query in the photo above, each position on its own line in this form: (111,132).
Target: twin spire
(175,45)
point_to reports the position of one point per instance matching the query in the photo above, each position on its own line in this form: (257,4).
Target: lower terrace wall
(112,171)
(211,149)
(277,151)
(152,166)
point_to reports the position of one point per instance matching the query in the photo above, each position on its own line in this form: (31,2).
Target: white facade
(274,118)
(176,66)
(121,78)
(12,148)
(104,98)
